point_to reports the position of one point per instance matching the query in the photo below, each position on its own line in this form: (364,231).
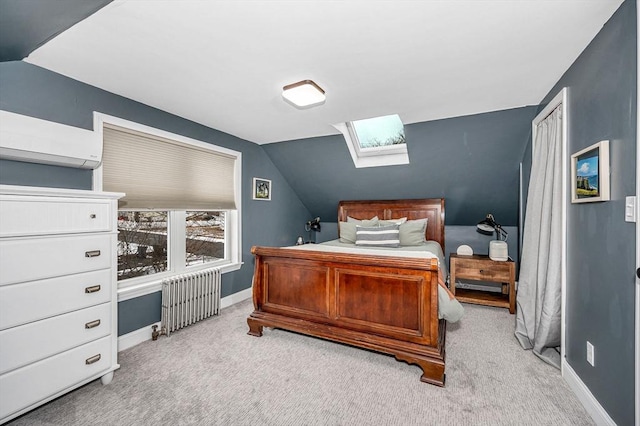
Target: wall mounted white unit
(58,295)
(33,140)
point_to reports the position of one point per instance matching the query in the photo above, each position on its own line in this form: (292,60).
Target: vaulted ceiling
(223,63)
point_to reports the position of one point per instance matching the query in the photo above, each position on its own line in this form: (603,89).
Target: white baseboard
(590,403)
(234,298)
(136,337)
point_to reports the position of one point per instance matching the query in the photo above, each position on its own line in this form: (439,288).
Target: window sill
(155,285)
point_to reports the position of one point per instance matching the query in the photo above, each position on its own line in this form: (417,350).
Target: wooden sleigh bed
(381,303)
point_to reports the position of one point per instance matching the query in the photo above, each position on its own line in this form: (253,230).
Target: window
(143,237)
(204,237)
(180,211)
(378,141)
(142,243)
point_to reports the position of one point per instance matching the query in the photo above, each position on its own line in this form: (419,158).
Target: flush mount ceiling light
(304,94)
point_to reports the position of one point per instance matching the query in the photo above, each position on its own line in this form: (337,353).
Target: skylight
(379,131)
(375,142)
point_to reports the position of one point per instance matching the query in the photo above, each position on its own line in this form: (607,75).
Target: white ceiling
(223,63)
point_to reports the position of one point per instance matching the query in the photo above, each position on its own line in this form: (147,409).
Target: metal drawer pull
(92,215)
(92,289)
(92,253)
(93,359)
(92,324)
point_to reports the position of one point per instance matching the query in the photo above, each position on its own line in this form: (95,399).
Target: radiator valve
(155,333)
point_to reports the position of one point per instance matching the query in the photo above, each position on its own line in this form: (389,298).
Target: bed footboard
(385,304)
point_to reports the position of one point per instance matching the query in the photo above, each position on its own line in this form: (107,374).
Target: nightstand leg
(452,281)
(512,295)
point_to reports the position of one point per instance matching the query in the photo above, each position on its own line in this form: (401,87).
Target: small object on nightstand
(498,250)
(465,250)
(300,241)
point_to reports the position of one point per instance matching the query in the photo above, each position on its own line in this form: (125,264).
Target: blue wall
(33,91)
(600,244)
(472,161)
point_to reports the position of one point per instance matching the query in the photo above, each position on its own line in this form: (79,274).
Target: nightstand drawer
(479,270)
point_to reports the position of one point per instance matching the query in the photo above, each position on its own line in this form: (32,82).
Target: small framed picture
(261,189)
(590,174)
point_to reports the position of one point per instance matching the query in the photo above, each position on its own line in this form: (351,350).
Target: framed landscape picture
(590,174)
(261,189)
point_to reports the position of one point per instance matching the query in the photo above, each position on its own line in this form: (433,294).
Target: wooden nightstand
(482,268)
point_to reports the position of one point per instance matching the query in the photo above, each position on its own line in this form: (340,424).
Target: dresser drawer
(29,385)
(29,259)
(20,346)
(32,301)
(482,270)
(28,216)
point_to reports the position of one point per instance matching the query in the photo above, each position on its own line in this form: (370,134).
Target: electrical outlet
(591,354)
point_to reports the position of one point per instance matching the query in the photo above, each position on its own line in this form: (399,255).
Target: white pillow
(365,222)
(399,221)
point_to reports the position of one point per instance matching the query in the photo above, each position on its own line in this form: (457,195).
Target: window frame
(379,156)
(176,240)
(375,150)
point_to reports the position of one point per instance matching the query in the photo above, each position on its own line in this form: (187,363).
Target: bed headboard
(430,208)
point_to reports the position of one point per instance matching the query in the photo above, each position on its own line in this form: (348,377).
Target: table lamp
(498,249)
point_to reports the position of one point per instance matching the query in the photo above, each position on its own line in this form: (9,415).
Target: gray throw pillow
(412,232)
(378,236)
(347,232)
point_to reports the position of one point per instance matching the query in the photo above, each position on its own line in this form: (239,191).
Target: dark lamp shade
(488,226)
(313,225)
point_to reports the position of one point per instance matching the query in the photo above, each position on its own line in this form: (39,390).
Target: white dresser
(58,293)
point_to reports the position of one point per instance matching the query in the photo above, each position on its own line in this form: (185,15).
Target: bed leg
(432,370)
(255,329)
(438,382)
(433,374)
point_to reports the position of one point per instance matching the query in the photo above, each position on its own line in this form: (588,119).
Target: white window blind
(158,173)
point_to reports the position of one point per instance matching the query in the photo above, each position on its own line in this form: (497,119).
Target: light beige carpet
(213,373)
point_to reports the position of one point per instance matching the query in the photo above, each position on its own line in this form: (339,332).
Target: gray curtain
(539,298)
